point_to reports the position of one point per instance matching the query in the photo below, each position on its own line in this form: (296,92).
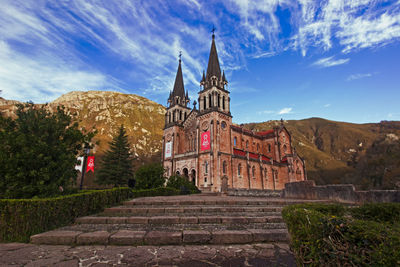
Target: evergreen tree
(38,152)
(116,166)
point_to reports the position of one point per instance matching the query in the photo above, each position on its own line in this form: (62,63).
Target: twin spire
(178,95)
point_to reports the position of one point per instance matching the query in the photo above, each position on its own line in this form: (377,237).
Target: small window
(284,148)
(206,167)
(253,171)
(247,144)
(239,169)
(178,173)
(205,179)
(258,147)
(224,167)
(266,174)
(234,141)
(223,125)
(269,147)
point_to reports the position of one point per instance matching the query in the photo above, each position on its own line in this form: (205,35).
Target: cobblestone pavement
(19,254)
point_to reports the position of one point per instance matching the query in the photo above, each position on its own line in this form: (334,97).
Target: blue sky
(283,59)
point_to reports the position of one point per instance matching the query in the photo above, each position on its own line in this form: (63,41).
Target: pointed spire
(223,76)
(213,62)
(187,94)
(179,88)
(204,77)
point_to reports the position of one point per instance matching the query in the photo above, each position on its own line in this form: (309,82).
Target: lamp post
(86,151)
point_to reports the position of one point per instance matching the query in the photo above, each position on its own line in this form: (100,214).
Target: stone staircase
(178,220)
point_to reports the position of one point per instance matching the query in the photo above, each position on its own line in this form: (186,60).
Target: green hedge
(21,218)
(330,236)
(379,212)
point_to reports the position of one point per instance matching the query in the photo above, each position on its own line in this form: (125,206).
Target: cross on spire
(213,31)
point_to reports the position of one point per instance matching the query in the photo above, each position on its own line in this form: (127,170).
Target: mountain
(340,152)
(335,152)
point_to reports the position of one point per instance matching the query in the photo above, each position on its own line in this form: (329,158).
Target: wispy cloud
(330,62)
(285,111)
(327,105)
(358,76)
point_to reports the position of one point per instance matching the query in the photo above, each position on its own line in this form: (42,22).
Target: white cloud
(358,76)
(285,111)
(42,79)
(330,62)
(327,105)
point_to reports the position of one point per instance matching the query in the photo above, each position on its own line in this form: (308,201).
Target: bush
(379,212)
(183,184)
(159,191)
(21,218)
(150,176)
(328,239)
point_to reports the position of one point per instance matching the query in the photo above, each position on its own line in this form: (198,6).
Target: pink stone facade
(205,146)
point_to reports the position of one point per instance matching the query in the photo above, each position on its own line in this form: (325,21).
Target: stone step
(190,209)
(206,202)
(167,220)
(128,237)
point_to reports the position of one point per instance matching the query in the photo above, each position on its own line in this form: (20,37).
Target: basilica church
(204,145)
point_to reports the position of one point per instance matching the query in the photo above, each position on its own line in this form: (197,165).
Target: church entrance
(194,177)
(186,173)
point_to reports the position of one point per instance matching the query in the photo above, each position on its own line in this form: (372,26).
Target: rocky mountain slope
(335,152)
(106,111)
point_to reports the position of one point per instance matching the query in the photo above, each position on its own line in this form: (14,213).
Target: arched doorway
(185,172)
(178,173)
(194,177)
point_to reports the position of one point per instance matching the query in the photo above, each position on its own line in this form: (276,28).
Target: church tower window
(209,101)
(239,169)
(219,101)
(224,167)
(253,172)
(269,147)
(204,102)
(223,102)
(206,167)
(247,144)
(234,141)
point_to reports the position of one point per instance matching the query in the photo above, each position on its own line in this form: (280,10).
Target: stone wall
(254,192)
(338,192)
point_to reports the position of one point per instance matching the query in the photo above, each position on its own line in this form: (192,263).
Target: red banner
(205,141)
(90,164)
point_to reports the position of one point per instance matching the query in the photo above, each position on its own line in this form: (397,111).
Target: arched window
(258,147)
(223,102)
(247,144)
(269,147)
(224,167)
(253,171)
(234,141)
(204,102)
(180,115)
(239,169)
(209,101)
(206,167)
(219,101)
(284,148)
(169,117)
(178,173)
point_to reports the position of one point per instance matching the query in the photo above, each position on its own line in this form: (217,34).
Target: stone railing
(338,192)
(254,192)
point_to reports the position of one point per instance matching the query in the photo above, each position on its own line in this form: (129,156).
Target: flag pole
(87,151)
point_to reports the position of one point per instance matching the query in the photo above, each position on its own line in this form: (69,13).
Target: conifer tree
(116,166)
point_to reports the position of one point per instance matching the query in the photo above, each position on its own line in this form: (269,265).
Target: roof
(265,132)
(213,68)
(179,88)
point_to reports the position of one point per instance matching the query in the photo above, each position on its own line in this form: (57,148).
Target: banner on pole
(90,164)
(205,141)
(80,166)
(168,149)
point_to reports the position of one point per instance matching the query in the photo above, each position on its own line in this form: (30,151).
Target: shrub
(379,212)
(21,218)
(320,239)
(150,176)
(183,184)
